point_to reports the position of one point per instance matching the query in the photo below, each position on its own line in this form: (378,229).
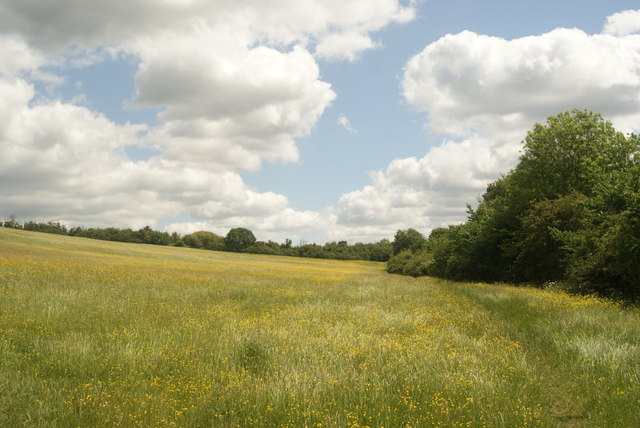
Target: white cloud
(287,223)
(236,84)
(59,159)
(344,122)
(230,107)
(56,25)
(67,163)
(17,57)
(344,46)
(466,81)
(623,23)
(425,193)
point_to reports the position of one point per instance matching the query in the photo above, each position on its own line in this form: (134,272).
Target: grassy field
(97,334)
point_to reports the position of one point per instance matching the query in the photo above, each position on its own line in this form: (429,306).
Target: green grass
(105,334)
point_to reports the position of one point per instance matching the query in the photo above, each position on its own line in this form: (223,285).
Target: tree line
(568,214)
(237,240)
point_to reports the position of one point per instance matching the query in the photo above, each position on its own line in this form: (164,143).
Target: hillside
(97,333)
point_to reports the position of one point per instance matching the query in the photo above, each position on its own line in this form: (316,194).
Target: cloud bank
(237,82)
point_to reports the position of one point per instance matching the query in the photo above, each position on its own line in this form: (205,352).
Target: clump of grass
(253,356)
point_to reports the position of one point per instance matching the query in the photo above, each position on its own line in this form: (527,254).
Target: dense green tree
(572,151)
(146,235)
(176,240)
(409,239)
(381,251)
(269,247)
(537,253)
(239,239)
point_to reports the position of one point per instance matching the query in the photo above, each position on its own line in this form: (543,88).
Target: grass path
(572,342)
(558,394)
(105,334)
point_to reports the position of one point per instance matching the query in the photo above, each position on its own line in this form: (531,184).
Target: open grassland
(105,334)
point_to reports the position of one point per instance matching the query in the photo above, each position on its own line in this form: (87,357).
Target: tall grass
(105,334)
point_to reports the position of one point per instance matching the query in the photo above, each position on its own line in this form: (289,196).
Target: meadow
(101,334)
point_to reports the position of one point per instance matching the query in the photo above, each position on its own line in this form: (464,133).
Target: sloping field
(97,334)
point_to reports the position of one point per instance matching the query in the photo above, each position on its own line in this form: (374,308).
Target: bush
(397,263)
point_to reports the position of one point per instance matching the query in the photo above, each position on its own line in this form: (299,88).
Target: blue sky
(165,114)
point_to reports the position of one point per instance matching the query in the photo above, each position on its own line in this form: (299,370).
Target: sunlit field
(99,334)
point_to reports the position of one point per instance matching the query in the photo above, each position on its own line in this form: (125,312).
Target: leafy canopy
(569,211)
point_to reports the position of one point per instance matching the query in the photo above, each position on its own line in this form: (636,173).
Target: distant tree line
(237,240)
(568,214)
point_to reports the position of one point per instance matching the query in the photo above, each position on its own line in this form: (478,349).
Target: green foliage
(204,239)
(398,261)
(239,239)
(11,223)
(48,227)
(409,239)
(146,235)
(381,251)
(569,211)
(573,151)
(269,247)
(537,252)
(409,263)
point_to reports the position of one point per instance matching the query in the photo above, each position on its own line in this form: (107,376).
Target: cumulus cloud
(18,57)
(59,159)
(623,23)
(236,84)
(230,107)
(426,192)
(466,81)
(65,162)
(56,25)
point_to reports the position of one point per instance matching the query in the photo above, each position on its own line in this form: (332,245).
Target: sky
(310,120)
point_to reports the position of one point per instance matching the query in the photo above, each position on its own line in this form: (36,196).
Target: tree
(176,240)
(409,239)
(204,239)
(12,223)
(381,251)
(539,255)
(239,239)
(571,151)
